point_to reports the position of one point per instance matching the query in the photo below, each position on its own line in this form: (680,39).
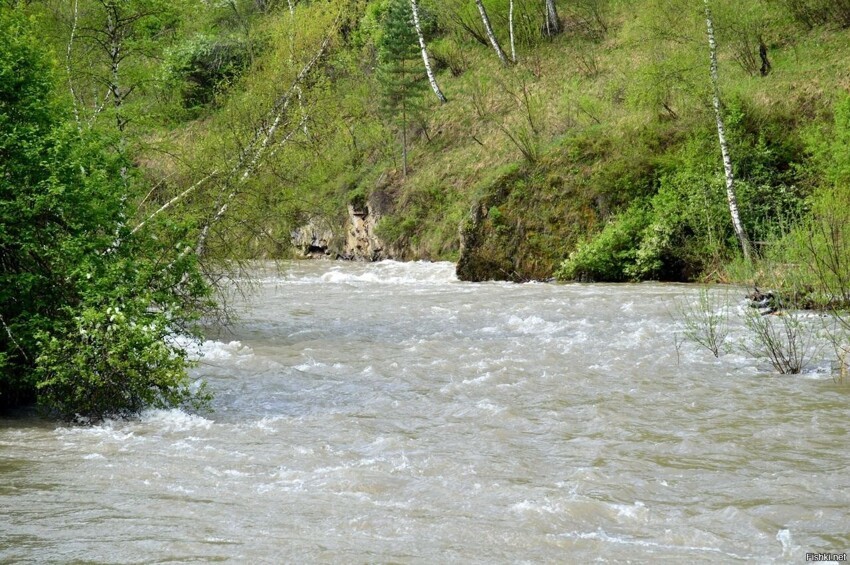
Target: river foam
(390,413)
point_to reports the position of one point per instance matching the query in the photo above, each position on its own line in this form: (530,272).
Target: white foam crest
(395,272)
(108,429)
(209,350)
(533,325)
(225,473)
(784,537)
(266,423)
(217,350)
(190,344)
(536,507)
(174,420)
(636,511)
(488,406)
(601,535)
(478,380)
(311,365)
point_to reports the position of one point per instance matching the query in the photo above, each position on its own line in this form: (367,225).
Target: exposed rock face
(361,243)
(314,240)
(354,240)
(516,234)
(477,264)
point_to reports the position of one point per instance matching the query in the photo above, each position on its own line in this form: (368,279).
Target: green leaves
(113,361)
(88,313)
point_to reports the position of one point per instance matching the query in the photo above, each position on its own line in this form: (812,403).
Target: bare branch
(251,156)
(11,337)
(68,66)
(174,201)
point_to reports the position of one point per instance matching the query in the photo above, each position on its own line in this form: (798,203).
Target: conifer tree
(401,78)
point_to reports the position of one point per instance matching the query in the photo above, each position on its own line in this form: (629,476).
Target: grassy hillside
(594,156)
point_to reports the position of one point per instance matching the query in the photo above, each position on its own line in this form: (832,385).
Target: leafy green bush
(86,306)
(610,255)
(110,362)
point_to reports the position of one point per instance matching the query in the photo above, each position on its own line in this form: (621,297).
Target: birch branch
(222,210)
(425,58)
(11,337)
(173,201)
(263,136)
(100,108)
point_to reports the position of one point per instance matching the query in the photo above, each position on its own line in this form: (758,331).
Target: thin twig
(15,341)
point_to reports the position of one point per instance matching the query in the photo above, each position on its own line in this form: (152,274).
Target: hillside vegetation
(598,146)
(587,150)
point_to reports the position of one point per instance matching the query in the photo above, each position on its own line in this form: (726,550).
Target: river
(370,413)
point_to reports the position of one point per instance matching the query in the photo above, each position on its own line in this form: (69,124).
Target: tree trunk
(724,146)
(490,35)
(403,141)
(553,24)
(114,33)
(425,58)
(511,28)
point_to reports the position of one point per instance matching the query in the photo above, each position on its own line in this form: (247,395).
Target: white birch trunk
(114,33)
(292,59)
(173,201)
(553,24)
(425,58)
(490,35)
(68,59)
(724,146)
(511,28)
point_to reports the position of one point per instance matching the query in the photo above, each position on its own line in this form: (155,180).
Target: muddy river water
(372,413)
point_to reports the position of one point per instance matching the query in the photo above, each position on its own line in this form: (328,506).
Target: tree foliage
(85,306)
(400,71)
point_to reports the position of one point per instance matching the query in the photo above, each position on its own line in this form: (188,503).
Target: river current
(372,413)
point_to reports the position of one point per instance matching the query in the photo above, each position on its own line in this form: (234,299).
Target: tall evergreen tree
(401,77)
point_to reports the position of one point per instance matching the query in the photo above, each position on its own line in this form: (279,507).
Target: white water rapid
(375,413)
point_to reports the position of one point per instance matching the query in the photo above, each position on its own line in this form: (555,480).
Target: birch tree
(490,35)
(114,28)
(553,24)
(414,7)
(732,199)
(511,28)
